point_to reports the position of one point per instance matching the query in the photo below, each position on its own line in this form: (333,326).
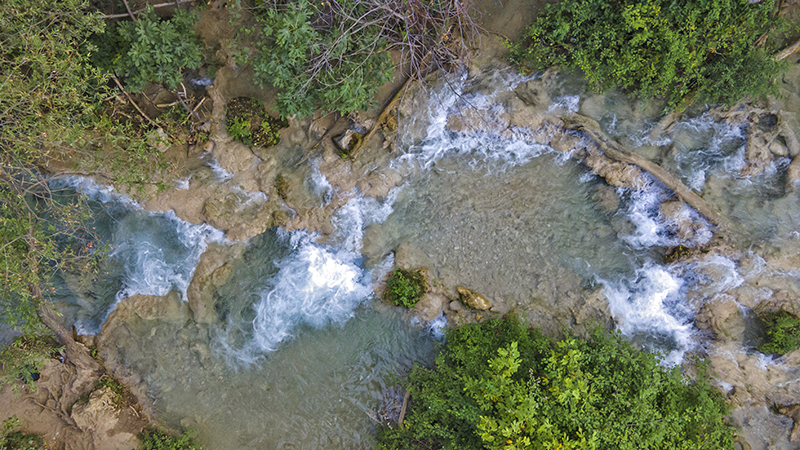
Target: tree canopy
(499,385)
(710,50)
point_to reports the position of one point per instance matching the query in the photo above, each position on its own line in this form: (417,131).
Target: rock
(606,197)
(723,318)
(379,183)
(790,138)
(793,174)
(680,217)
(430,306)
(456,306)
(211,272)
(168,308)
(348,140)
(234,156)
(472,299)
(793,412)
(100,419)
(615,173)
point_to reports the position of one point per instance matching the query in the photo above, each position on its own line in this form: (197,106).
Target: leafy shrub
(158,440)
(498,385)
(405,287)
(319,68)
(783,332)
(12,439)
(659,47)
(247,121)
(150,49)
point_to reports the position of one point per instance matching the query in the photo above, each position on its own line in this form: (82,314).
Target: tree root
(615,151)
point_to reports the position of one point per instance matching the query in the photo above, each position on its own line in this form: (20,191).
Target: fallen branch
(615,151)
(788,51)
(381,118)
(133,13)
(403,409)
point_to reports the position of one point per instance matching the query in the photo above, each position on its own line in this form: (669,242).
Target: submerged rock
(472,299)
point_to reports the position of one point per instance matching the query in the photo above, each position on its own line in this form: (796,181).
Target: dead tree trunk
(617,152)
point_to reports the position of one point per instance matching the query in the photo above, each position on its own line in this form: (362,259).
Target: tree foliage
(335,55)
(499,385)
(150,49)
(675,49)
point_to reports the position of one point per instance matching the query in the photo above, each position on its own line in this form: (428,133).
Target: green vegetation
(783,332)
(355,63)
(335,55)
(149,49)
(157,440)
(405,287)
(704,50)
(247,121)
(23,359)
(12,439)
(500,385)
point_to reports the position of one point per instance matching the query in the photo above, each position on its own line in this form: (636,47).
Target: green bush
(683,49)
(498,385)
(319,68)
(783,333)
(405,287)
(150,49)
(158,440)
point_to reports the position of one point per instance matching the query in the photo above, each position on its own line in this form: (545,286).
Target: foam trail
(653,304)
(320,185)
(219,172)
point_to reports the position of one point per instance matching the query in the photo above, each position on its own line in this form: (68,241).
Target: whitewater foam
(653,304)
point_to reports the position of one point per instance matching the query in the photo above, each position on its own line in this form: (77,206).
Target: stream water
(302,353)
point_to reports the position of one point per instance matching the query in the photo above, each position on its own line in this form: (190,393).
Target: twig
(131,14)
(403,409)
(129,10)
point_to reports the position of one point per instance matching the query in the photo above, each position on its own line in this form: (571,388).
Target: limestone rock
(606,197)
(211,272)
(472,298)
(234,156)
(100,419)
(430,306)
(680,217)
(793,412)
(723,318)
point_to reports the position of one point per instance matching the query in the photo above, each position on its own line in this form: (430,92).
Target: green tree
(149,49)
(679,50)
(498,385)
